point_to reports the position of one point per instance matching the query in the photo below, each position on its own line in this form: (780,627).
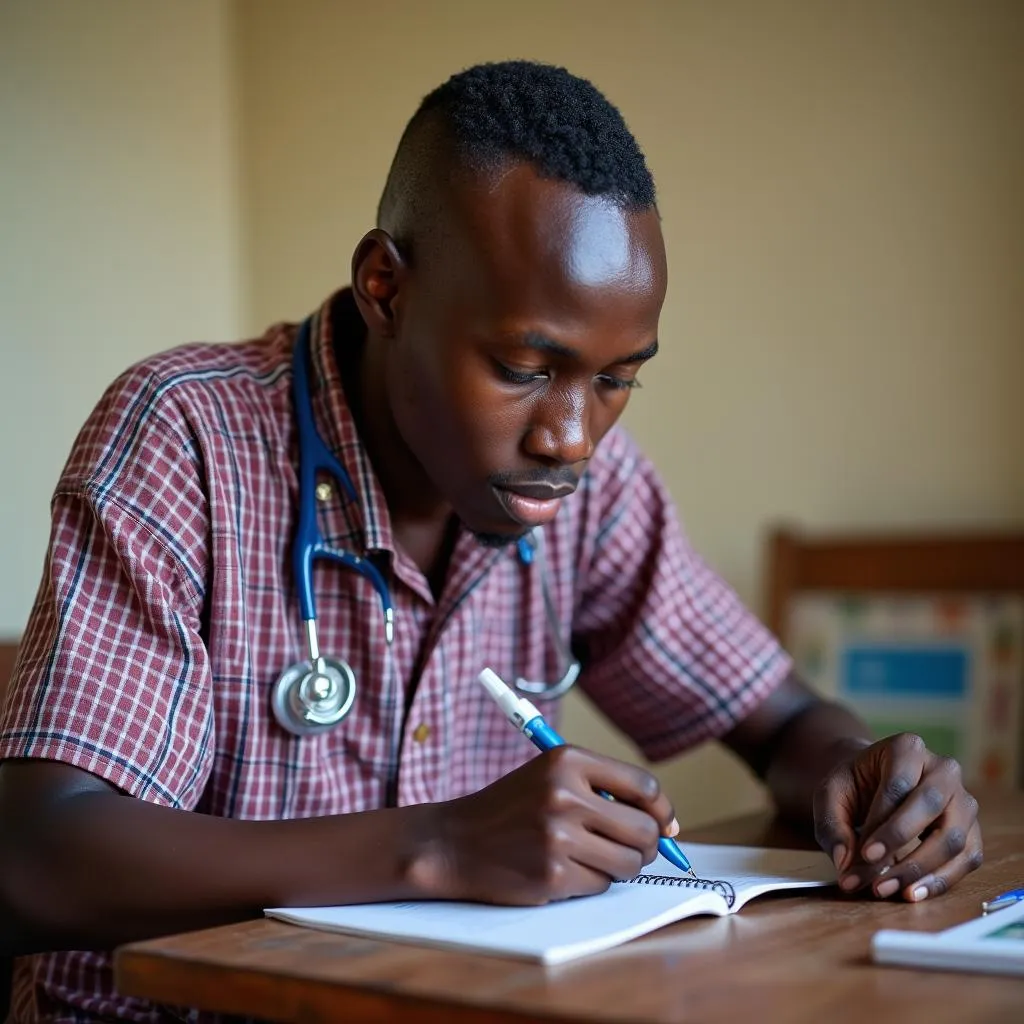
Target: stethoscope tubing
(296,703)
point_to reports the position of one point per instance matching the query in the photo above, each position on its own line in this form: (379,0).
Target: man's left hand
(897,818)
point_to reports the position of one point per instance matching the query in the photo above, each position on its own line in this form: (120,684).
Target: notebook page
(571,928)
(552,934)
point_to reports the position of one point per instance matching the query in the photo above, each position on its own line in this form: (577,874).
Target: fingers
(627,827)
(835,805)
(920,834)
(612,860)
(583,880)
(632,785)
(936,882)
(922,807)
(951,849)
(902,768)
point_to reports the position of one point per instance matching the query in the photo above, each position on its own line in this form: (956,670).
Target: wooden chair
(910,564)
(897,563)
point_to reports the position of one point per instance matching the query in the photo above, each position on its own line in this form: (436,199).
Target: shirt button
(324,491)
(421,733)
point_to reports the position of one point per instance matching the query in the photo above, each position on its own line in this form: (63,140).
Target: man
(469,381)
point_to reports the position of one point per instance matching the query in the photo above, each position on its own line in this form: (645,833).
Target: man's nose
(560,428)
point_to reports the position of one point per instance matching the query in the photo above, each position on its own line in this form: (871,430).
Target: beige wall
(841,186)
(842,193)
(118,225)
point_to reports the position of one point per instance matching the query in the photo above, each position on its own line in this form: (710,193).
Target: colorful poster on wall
(948,668)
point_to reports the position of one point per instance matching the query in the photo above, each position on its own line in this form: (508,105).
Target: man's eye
(518,376)
(619,383)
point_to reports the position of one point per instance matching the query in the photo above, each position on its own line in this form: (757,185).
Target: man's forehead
(517,220)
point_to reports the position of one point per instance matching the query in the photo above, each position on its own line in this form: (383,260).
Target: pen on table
(530,722)
(1002,901)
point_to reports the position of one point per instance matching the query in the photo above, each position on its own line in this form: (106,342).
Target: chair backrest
(904,629)
(910,563)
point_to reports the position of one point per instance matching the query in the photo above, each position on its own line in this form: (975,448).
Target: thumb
(834,803)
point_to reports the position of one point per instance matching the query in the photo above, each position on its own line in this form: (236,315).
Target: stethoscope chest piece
(311,696)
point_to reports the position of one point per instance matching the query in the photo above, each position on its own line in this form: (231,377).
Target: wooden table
(782,958)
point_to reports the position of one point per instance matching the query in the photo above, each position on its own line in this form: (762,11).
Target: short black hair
(539,113)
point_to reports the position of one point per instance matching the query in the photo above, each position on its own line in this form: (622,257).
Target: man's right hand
(543,832)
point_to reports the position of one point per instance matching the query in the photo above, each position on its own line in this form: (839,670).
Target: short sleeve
(671,656)
(113,675)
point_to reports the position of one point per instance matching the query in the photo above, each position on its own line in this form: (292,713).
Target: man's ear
(378,272)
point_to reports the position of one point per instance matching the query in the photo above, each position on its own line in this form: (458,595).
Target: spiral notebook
(729,877)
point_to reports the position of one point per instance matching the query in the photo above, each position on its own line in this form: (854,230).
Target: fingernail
(838,856)
(849,883)
(888,887)
(673,828)
(920,893)
(876,851)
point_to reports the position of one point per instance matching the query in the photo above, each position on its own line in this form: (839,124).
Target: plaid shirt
(167,610)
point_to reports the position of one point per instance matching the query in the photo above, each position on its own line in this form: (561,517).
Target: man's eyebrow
(643,355)
(542,343)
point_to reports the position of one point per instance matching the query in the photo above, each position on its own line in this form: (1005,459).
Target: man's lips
(533,504)
(541,491)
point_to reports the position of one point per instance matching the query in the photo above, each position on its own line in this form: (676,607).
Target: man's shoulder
(203,367)
(191,397)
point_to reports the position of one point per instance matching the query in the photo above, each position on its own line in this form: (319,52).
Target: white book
(993,944)
(730,876)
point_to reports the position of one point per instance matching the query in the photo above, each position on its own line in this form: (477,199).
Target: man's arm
(83,866)
(891,814)
(793,740)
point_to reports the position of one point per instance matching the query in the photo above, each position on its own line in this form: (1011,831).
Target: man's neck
(422,526)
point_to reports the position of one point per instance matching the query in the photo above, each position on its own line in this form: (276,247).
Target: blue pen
(1003,900)
(530,722)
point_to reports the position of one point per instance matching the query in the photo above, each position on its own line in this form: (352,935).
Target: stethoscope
(315,695)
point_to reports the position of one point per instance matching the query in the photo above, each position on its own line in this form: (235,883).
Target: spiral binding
(724,889)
